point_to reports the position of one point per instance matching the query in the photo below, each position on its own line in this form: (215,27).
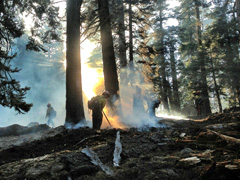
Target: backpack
(53,114)
(93,103)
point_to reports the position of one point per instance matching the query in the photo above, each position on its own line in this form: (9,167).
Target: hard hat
(198,92)
(106,93)
(194,92)
(48,105)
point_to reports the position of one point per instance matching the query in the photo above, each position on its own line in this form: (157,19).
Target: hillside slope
(177,149)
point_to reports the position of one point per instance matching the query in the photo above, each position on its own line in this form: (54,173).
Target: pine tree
(192,50)
(227,45)
(74,100)
(109,62)
(172,41)
(12,27)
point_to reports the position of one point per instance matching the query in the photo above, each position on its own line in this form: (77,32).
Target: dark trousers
(199,110)
(152,111)
(97,118)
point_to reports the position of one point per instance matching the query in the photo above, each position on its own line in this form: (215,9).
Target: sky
(172,4)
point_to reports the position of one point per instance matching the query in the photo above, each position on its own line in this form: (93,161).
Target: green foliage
(222,44)
(12,27)
(95,61)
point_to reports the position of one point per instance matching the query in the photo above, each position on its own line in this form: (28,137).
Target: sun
(91,77)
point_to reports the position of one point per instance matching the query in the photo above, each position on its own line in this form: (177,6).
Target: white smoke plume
(135,110)
(45,75)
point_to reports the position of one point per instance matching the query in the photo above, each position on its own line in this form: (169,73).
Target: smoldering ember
(177,149)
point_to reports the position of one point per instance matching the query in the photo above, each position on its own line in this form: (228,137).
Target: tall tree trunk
(233,70)
(175,82)
(121,34)
(109,62)
(206,109)
(170,98)
(238,17)
(130,36)
(163,67)
(238,23)
(74,100)
(238,94)
(165,84)
(122,42)
(216,87)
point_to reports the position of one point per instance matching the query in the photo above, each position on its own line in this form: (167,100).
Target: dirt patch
(181,149)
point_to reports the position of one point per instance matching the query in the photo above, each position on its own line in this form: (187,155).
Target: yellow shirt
(101,100)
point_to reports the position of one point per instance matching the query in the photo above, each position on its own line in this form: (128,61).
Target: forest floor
(177,150)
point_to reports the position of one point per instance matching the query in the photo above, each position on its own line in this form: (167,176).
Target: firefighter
(96,104)
(138,101)
(51,113)
(198,102)
(152,109)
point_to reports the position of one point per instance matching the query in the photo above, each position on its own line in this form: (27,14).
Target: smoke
(136,98)
(45,75)
(37,112)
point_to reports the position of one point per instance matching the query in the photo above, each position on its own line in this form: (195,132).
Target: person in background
(198,102)
(51,113)
(96,104)
(138,101)
(152,109)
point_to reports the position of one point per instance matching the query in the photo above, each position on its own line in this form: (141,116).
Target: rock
(186,152)
(190,161)
(33,124)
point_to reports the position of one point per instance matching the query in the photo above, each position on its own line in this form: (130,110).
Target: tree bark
(238,16)
(122,42)
(238,23)
(163,67)
(74,100)
(175,81)
(109,62)
(216,87)
(206,109)
(121,34)
(130,36)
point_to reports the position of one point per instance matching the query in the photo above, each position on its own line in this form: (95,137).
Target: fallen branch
(228,139)
(85,139)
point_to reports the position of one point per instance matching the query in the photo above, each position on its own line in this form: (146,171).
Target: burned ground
(177,149)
